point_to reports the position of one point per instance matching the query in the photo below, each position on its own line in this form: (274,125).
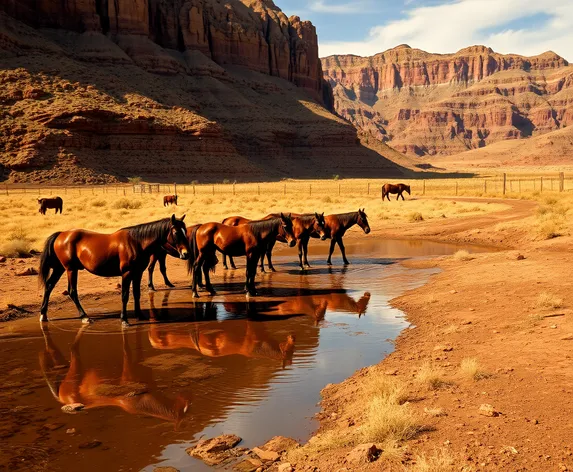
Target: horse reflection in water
(134,391)
(212,338)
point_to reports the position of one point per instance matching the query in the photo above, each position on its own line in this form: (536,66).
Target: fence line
(504,184)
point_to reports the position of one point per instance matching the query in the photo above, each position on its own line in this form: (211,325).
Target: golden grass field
(25,229)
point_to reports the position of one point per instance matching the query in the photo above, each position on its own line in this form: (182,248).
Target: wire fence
(498,185)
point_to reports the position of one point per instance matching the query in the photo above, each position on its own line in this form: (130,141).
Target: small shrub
(326,199)
(226,181)
(548,230)
(16,248)
(127,204)
(462,255)
(387,420)
(335,177)
(416,216)
(99,203)
(470,369)
(440,461)
(194,182)
(429,376)
(548,300)
(134,180)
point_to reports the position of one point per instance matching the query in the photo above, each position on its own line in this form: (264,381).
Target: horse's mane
(261,226)
(344,218)
(154,230)
(306,218)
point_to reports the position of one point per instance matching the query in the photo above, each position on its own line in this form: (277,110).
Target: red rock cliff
(425,103)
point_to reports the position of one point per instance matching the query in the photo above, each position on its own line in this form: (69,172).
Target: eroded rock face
(427,104)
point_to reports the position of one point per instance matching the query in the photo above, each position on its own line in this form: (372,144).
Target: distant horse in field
(56,202)
(170,200)
(388,189)
(125,253)
(249,240)
(336,226)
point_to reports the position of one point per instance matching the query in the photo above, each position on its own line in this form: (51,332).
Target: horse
(235,221)
(170,200)
(303,226)
(127,384)
(125,253)
(160,255)
(56,202)
(336,226)
(388,189)
(249,240)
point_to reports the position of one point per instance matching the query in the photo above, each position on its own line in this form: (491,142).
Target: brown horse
(336,227)
(56,202)
(235,221)
(125,253)
(160,255)
(388,189)
(170,200)
(303,226)
(249,240)
(128,385)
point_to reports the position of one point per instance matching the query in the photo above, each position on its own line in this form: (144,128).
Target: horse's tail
(48,259)
(61,205)
(194,250)
(383,192)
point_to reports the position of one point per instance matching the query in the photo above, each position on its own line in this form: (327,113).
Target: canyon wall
(427,104)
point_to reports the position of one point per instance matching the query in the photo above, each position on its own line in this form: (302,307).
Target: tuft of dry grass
(127,204)
(431,377)
(435,412)
(469,368)
(462,255)
(98,203)
(388,420)
(440,461)
(549,301)
(16,248)
(415,216)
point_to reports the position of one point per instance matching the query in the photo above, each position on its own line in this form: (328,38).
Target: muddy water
(253,368)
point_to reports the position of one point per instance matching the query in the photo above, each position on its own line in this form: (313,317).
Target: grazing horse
(249,240)
(303,226)
(160,255)
(337,225)
(126,384)
(388,189)
(170,200)
(125,253)
(46,203)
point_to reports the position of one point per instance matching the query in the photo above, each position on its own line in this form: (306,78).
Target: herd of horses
(128,252)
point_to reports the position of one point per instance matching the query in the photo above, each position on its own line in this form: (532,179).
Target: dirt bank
(490,329)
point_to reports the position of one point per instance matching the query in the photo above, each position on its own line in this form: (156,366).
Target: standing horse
(235,221)
(249,240)
(388,189)
(160,255)
(125,253)
(170,200)
(336,227)
(56,202)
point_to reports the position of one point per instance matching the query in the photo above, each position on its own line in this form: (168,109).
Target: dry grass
(469,368)
(431,377)
(435,412)
(440,461)
(549,301)
(388,420)
(415,216)
(463,255)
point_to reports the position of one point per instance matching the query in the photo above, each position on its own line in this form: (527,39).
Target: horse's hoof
(328,263)
(273,269)
(346,263)
(195,295)
(86,320)
(151,289)
(125,324)
(211,292)
(43,319)
(225,267)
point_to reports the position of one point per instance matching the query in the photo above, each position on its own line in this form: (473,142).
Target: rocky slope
(428,104)
(100,90)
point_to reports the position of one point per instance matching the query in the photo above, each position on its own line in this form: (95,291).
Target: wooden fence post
(258,189)
(6,188)
(368,188)
(310,189)
(504,182)
(423,187)
(542,184)
(456,188)
(485,186)
(561,181)
(339,190)
(285,190)
(193,189)
(174,188)
(213,189)
(124,191)
(233,188)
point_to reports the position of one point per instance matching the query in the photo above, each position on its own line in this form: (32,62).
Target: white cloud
(452,26)
(320,6)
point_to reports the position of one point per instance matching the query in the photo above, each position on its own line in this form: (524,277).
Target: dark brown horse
(169,200)
(235,221)
(56,202)
(125,253)
(249,240)
(388,189)
(160,257)
(337,225)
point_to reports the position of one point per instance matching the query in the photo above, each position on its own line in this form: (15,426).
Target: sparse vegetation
(335,177)
(431,377)
(469,368)
(389,420)
(549,301)
(415,216)
(98,203)
(463,255)
(127,204)
(440,461)
(134,180)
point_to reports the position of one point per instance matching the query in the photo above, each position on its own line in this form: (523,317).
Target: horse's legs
(402,195)
(232,262)
(163,270)
(342,250)
(225,261)
(305,251)
(299,247)
(332,243)
(269,251)
(208,285)
(398,196)
(252,262)
(137,294)
(55,276)
(196,274)
(150,269)
(125,283)
(73,291)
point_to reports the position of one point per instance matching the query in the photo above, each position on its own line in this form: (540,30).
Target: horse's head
(320,226)
(178,237)
(407,188)
(286,229)
(362,221)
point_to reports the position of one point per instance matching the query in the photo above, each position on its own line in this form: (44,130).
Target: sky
(367,27)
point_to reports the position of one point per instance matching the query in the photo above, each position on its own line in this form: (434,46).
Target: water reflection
(126,384)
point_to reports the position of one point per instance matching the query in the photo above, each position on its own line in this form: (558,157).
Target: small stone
(285,467)
(71,431)
(569,337)
(266,455)
(553,326)
(391,372)
(90,444)
(27,271)
(472,309)
(363,454)
(246,466)
(73,408)
(280,444)
(2,259)
(520,257)
(453,291)
(488,410)
(118,285)
(65,293)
